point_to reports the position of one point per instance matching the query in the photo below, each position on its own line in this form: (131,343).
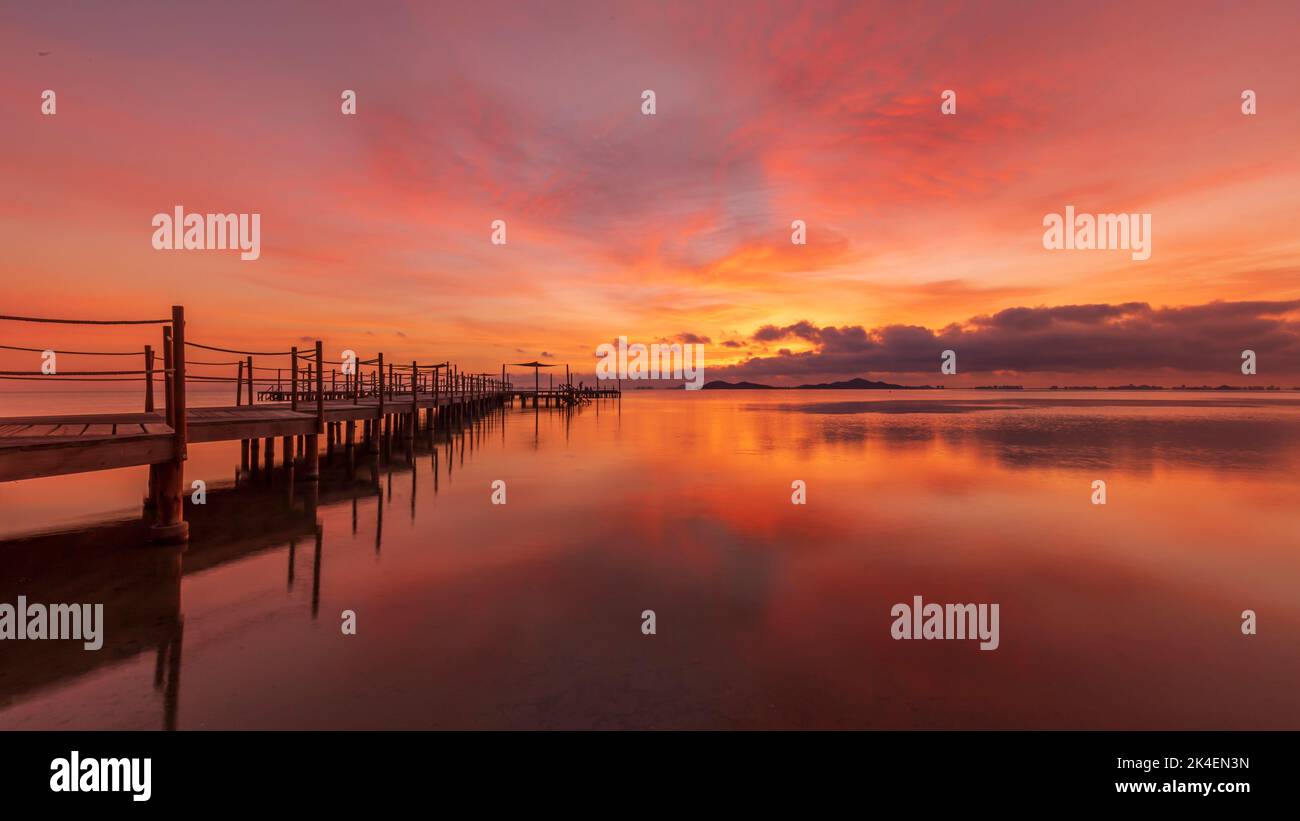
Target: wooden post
(415,405)
(293,382)
(239,400)
(155,470)
(320,388)
(167,373)
(169,523)
(178,379)
(148,379)
(311,455)
(251,392)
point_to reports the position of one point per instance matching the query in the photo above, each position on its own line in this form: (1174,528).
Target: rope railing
(232,350)
(245,380)
(46,378)
(290,383)
(85,373)
(86,321)
(72,353)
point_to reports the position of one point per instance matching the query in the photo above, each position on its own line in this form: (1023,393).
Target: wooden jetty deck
(362,403)
(33,447)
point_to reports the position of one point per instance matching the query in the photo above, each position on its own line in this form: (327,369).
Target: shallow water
(768,614)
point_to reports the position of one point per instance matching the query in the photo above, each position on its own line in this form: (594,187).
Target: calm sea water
(768,614)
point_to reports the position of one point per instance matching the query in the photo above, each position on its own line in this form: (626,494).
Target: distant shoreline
(863,384)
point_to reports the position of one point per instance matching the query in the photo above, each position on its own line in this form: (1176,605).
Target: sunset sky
(924,230)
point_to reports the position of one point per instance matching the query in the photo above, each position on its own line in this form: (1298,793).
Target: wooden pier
(354,406)
(560,397)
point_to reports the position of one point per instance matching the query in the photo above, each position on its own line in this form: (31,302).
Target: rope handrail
(75,379)
(244,380)
(73,353)
(86,321)
(232,350)
(401,367)
(86,373)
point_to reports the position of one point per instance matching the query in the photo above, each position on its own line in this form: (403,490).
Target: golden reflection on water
(769,614)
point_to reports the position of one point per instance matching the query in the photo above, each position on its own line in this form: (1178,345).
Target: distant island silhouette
(856,384)
(859,383)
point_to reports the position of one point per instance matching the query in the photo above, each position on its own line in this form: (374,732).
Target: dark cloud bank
(1132,340)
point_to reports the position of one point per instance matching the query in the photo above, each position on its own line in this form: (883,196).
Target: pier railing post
(148,379)
(377,426)
(170,525)
(320,388)
(243,443)
(251,394)
(415,404)
(167,374)
(155,470)
(293,381)
(311,459)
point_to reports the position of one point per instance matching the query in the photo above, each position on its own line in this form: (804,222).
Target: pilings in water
(167,478)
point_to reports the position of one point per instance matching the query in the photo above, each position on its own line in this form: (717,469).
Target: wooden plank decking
(36,446)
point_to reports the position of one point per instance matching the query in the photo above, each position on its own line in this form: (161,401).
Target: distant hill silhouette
(856,384)
(719,385)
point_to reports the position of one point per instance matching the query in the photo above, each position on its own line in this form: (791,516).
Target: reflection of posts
(172,685)
(165,579)
(311,497)
(379,516)
(315,572)
(350,435)
(293,551)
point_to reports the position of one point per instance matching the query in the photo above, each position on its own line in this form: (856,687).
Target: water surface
(769,614)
